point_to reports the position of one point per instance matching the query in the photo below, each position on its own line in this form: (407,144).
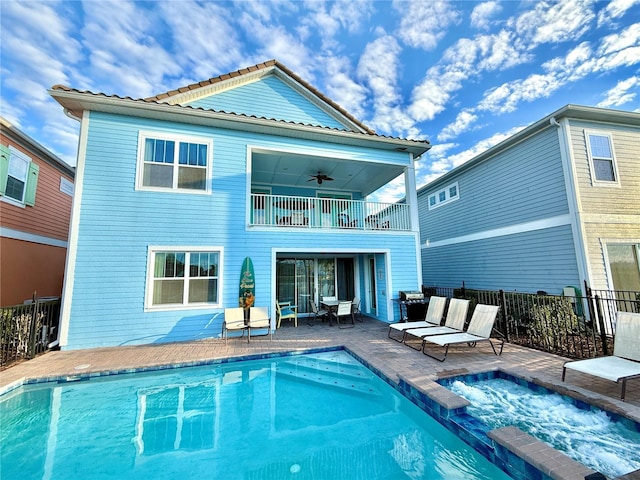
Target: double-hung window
(174,162)
(18,177)
(444,196)
(601,158)
(183,277)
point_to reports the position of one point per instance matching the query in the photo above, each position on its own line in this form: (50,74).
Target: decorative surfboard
(247,286)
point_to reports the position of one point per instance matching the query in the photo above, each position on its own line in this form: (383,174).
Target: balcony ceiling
(294,170)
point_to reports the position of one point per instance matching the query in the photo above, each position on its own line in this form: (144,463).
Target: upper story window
(444,196)
(174,162)
(601,158)
(18,177)
(183,277)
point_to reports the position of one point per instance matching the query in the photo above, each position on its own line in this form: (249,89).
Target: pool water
(589,436)
(318,416)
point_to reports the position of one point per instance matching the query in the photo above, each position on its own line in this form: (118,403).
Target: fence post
(31,347)
(503,305)
(603,334)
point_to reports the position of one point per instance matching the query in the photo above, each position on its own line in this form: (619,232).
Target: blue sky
(464,75)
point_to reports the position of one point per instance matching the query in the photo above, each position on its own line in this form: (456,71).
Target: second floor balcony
(282,211)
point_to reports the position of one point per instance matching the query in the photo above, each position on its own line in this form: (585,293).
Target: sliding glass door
(299,280)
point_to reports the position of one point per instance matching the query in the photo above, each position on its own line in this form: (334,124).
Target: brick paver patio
(367,340)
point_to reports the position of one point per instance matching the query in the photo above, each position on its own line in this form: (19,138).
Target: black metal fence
(28,329)
(574,326)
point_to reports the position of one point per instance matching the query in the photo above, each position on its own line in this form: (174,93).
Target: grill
(411,295)
(413,305)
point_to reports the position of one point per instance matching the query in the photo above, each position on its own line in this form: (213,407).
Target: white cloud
(462,123)
(124,53)
(275,42)
(482,14)
(329,18)
(424,24)
(615,9)
(379,69)
(192,26)
(555,22)
(342,88)
(622,93)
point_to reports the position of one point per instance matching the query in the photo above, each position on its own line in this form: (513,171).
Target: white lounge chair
(433,317)
(479,330)
(456,318)
(233,321)
(259,320)
(624,364)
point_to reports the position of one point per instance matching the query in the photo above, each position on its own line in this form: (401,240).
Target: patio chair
(433,317)
(344,309)
(317,313)
(233,322)
(287,311)
(454,323)
(624,364)
(479,330)
(355,306)
(259,320)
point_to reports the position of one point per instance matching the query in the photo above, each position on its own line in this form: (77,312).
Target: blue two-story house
(173,192)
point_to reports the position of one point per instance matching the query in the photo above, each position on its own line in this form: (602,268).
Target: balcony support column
(411,196)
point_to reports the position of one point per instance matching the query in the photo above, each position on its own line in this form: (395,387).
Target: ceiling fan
(320,177)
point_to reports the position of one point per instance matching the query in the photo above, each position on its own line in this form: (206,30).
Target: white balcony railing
(327,213)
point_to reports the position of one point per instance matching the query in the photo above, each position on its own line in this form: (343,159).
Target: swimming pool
(602,441)
(317,416)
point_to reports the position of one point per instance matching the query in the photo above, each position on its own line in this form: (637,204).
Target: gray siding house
(555,205)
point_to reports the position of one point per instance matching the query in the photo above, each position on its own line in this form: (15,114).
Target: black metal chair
(322,313)
(355,306)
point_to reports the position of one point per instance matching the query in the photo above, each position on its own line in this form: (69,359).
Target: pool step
(329,374)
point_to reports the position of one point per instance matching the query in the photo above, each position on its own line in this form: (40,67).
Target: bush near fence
(581,326)
(27,330)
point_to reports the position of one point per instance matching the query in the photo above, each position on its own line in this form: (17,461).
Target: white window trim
(594,181)
(448,199)
(148,295)
(14,152)
(176,137)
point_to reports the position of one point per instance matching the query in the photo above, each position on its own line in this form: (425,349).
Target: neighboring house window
(172,162)
(624,265)
(444,196)
(601,158)
(18,177)
(183,277)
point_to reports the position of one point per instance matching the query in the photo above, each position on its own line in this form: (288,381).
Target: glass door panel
(305,284)
(286,280)
(326,277)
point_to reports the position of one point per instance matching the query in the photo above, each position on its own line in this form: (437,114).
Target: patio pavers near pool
(368,340)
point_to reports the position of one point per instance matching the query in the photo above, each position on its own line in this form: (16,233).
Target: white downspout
(411,195)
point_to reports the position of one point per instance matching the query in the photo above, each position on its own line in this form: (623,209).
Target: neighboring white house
(555,205)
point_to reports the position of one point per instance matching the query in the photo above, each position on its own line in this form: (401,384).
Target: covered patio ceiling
(295,170)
